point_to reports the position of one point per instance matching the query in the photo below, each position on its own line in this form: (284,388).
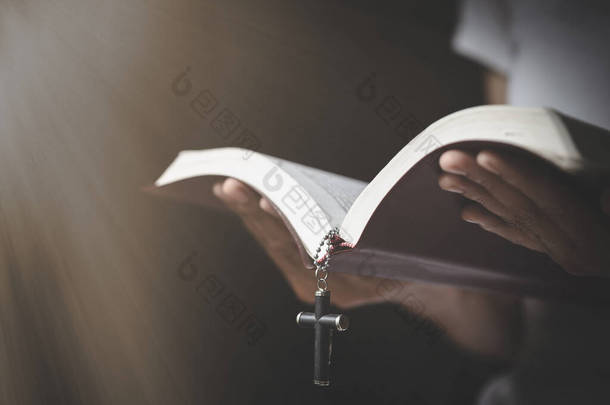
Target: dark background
(95,306)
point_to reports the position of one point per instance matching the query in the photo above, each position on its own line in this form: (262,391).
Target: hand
(477,321)
(517,202)
(265,224)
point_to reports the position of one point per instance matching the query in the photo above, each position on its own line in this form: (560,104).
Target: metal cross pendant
(323,324)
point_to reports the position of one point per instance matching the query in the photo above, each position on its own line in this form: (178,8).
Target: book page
(311,201)
(334,193)
(535,130)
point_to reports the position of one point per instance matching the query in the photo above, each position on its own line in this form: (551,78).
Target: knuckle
(523,215)
(451,181)
(522,219)
(484,182)
(491,226)
(475,196)
(470,211)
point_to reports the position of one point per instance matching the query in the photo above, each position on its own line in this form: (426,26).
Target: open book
(401,225)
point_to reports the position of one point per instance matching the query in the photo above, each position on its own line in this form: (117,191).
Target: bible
(401,225)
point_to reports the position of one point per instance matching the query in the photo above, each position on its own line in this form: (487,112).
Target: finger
(559,203)
(549,195)
(473,191)
(268,207)
(521,212)
(268,230)
(237,196)
(491,223)
(484,187)
(462,163)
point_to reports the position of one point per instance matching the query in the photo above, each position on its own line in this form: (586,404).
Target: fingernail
(268,207)
(454,190)
(217,189)
(235,191)
(472,221)
(455,171)
(486,163)
(452,161)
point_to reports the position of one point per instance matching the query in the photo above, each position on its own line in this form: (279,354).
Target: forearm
(495,87)
(486,323)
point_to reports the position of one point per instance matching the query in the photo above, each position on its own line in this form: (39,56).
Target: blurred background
(104,294)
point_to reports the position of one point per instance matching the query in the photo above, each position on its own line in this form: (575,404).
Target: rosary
(320,320)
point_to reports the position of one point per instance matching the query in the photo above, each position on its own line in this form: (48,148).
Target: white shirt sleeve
(484,33)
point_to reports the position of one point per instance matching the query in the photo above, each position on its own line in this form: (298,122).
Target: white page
(311,200)
(334,193)
(537,130)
